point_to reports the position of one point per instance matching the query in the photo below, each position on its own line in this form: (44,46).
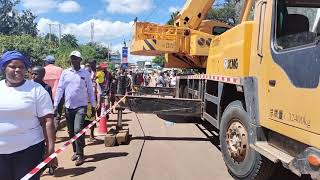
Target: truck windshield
(297,24)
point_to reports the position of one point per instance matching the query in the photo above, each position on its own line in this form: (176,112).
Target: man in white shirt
(76,85)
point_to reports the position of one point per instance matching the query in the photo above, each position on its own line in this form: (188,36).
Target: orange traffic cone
(103,121)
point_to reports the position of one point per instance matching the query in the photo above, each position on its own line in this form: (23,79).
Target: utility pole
(50,31)
(92,31)
(50,25)
(109,51)
(59,34)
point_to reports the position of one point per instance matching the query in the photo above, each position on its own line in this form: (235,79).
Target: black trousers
(60,107)
(75,123)
(16,165)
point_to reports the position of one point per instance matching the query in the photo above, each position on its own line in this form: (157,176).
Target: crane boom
(193,12)
(186,43)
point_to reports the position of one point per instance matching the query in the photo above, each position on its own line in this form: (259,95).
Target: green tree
(88,52)
(172,18)
(35,48)
(7,16)
(62,55)
(14,23)
(101,51)
(26,24)
(70,39)
(111,67)
(159,60)
(226,13)
(54,38)
(229,12)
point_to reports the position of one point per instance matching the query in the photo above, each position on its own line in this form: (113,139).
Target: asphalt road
(162,148)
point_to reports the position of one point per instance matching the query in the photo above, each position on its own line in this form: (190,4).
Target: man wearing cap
(51,78)
(76,84)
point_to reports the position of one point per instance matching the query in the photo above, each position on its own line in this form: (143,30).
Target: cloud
(44,6)
(173,9)
(39,6)
(104,30)
(128,6)
(69,7)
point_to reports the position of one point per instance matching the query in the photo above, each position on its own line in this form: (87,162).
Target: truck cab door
(291,58)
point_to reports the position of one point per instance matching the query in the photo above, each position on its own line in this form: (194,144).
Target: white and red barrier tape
(65,145)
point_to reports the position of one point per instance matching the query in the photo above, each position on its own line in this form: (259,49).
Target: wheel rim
(237,141)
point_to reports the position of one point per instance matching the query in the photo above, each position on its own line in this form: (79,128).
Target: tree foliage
(26,24)
(14,23)
(229,12)
(54,38)
(70,39)
(225,14)
(172,18)
(35,48)
(159,60)
(88,52)
(18,31)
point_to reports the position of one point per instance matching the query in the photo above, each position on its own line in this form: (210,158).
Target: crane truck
(260,88)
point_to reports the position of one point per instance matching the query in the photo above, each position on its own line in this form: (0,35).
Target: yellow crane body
(261,88)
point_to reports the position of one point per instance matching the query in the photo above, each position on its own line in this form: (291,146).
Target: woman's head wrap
(13,55)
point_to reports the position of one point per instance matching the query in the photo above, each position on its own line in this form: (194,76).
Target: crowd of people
(34,98)
(160,79)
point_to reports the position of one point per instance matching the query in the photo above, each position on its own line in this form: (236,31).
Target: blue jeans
(75,123)
(16,165)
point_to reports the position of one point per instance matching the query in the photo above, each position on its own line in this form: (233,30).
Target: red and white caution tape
(65,145)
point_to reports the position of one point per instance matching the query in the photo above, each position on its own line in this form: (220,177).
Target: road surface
(162,148)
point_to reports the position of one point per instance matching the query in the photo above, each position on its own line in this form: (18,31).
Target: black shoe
(79,161)
(74,157)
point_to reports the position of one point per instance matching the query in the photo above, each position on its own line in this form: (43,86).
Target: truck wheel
(242,161)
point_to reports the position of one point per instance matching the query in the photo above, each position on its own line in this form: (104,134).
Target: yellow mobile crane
(186,43)
(261,87)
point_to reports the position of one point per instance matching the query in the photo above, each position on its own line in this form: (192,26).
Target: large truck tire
(242,161)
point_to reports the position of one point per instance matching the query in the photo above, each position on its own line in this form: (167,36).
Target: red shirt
(52,77)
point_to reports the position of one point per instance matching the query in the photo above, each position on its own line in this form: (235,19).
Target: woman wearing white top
(26,120)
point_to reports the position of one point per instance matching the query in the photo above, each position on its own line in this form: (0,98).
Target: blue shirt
(77,87)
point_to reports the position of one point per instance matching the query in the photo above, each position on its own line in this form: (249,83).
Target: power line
(145,18)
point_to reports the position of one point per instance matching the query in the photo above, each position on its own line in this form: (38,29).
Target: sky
(112,19)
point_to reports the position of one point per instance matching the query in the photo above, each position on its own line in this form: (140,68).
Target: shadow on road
(283,173)
(94,142)
(114,125)
(178,119)
(72,172)
(211,132)
(123,120)
(103,156)
(64,139)
(153,138)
